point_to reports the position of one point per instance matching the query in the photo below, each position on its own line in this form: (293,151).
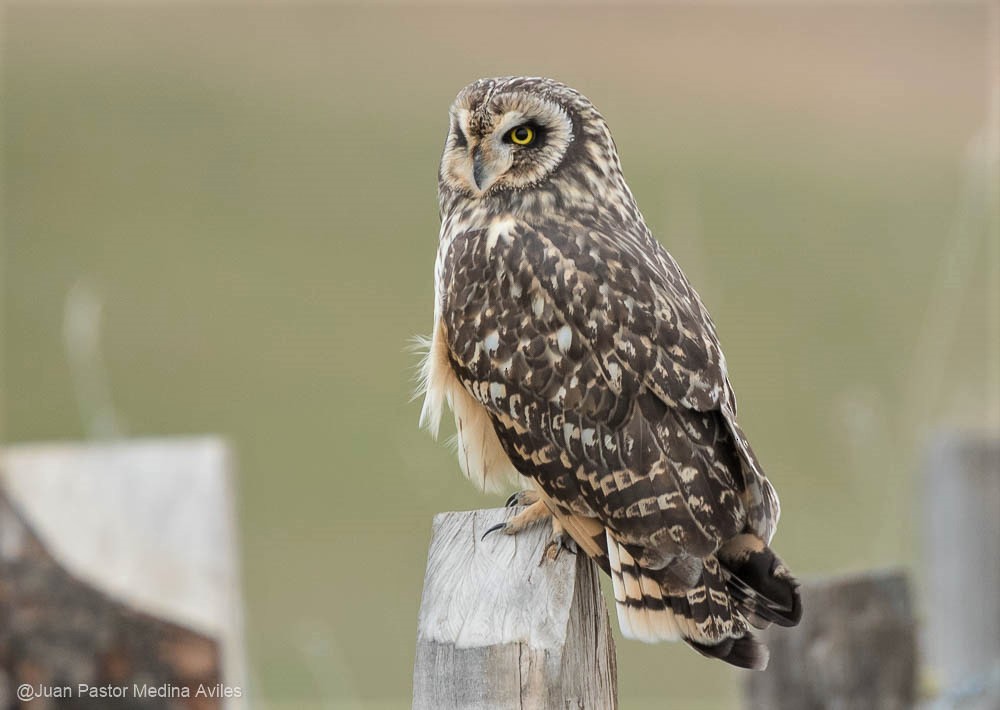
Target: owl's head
(515,133)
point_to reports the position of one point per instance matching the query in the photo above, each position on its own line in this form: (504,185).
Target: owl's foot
(558,541)
(534,513)
(525,497)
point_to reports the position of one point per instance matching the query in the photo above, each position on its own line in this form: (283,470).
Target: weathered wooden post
(499,630)
(119,575)
(961,570)
(855,649)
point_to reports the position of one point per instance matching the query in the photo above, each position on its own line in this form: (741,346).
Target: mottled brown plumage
(575,354)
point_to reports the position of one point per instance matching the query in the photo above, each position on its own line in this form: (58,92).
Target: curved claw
(498,526)
(525,498)
(557,543)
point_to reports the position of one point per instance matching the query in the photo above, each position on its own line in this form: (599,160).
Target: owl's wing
(588,347)
(604,382)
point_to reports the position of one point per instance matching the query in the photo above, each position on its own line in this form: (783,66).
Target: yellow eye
(522,135)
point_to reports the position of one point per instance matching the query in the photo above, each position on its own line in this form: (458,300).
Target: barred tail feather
(653,608)
(643,614)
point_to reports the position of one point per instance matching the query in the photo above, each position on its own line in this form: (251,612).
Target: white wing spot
(564,338)
(497,391)
(491,342)
(688,474)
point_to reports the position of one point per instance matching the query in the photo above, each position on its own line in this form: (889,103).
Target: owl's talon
(525,497)
(524,519)
(498,526)
(559,540)
(557,543)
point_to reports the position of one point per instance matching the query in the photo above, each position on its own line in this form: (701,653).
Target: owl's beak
(489,163)
(480,172)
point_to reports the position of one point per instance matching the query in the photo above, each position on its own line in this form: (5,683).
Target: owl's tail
(710,603)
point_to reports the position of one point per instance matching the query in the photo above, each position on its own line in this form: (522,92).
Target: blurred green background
(249,191)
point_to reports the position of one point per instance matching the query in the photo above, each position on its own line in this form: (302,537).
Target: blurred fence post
(855,649)
(961,570)
(119,568)
(499,630)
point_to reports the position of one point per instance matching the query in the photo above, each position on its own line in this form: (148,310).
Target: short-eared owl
(575,355)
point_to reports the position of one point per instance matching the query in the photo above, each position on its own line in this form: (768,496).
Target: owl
(581,365)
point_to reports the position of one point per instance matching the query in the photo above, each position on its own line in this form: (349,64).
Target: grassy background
(251,193)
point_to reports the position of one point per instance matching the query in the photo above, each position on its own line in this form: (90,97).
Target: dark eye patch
(460,140)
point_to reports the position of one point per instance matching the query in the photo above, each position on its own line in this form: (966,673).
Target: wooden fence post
(119,569)
(499,630)
(961,570)
(855,649)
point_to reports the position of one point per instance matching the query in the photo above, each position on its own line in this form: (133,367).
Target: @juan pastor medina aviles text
(26,691)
